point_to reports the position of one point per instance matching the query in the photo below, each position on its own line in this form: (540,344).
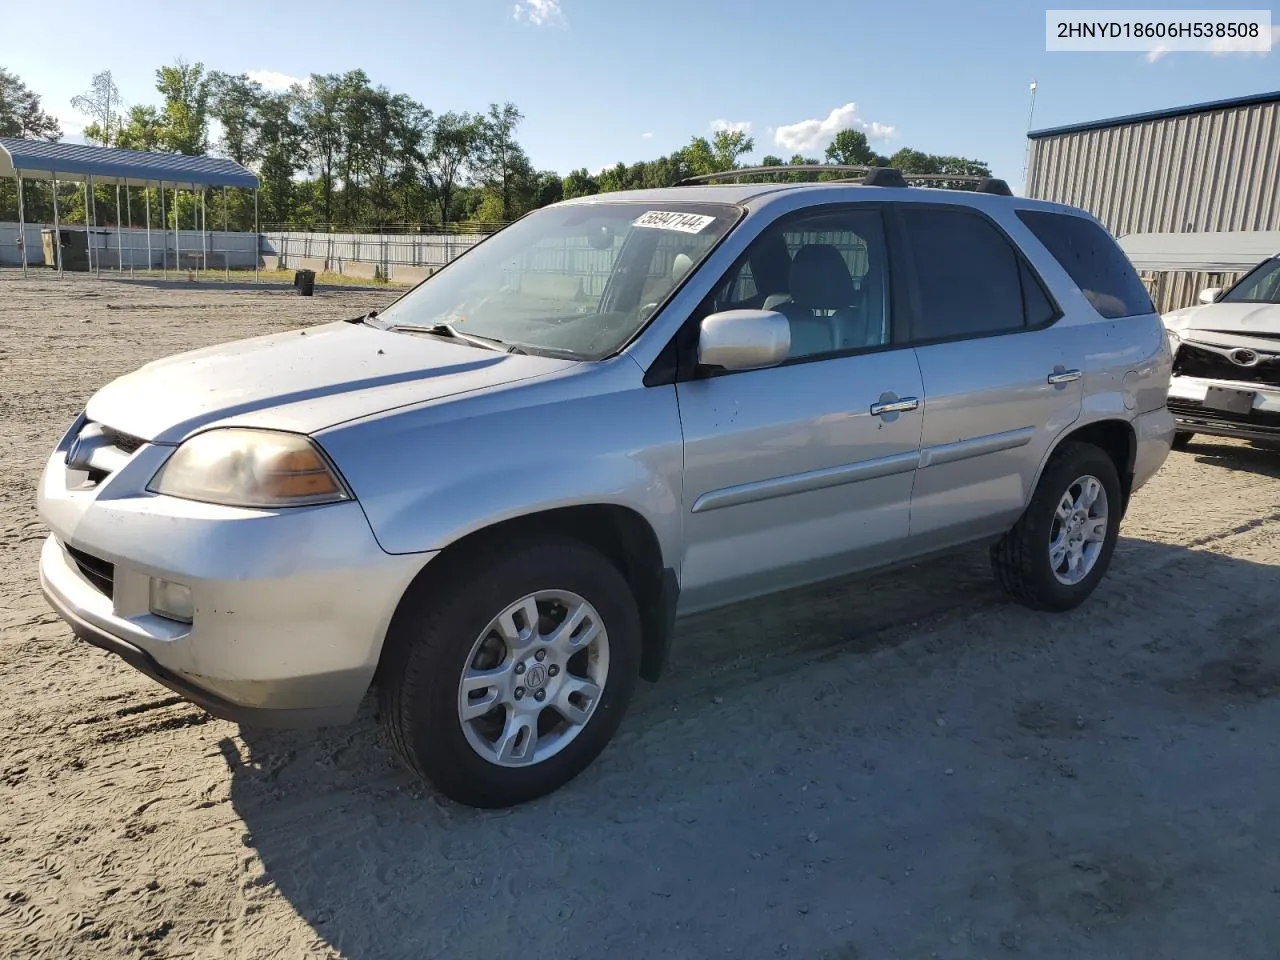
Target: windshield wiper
(450,331)
(367,318)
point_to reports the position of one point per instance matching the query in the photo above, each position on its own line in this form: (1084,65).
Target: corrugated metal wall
(1202,172)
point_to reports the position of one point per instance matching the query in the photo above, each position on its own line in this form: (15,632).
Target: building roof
(45,159)
(1230,104)
(1227,252)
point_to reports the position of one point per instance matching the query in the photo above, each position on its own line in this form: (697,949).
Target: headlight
(249,468)
(1174,341)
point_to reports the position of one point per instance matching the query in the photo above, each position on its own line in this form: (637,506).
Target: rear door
(1001,378)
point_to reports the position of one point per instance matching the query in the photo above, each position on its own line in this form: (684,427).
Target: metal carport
(81,163)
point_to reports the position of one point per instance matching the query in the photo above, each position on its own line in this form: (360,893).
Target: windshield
(1260,285)
(577,280)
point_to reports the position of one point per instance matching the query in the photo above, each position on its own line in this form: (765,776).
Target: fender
(592,435)
(1120,386)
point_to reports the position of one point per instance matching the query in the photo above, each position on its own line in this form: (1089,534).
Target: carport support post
(177,236)
(57,229)
(257,239)
(119,243)
(226,237)
(128,200)
(88,247)
(93,213)
(204,233)
(146,197)
(164,235)
(22,227)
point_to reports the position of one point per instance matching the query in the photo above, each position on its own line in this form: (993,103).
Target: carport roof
(1226,252)
(45,160)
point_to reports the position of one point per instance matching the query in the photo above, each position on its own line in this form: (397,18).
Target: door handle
(894,406)
(1064,376)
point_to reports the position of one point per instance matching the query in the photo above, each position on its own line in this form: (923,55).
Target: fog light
(171,600)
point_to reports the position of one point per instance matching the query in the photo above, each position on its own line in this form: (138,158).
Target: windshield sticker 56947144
(683,222)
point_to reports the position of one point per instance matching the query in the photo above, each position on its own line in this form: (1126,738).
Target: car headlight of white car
(250,468)
(1174,341)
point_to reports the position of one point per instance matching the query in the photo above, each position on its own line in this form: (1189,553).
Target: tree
(143,131)
(20,112)
(580,183)
(500,162)
(102,103)
(718,155)
(234,103)
(186,93)
(320,115)
(281,147)
(454,143)
(771,161)
(850,147)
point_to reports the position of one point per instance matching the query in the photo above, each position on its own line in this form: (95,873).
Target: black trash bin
(305,281)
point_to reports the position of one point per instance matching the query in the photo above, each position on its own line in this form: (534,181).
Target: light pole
(1026,155)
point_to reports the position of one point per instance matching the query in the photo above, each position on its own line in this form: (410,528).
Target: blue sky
(604,80)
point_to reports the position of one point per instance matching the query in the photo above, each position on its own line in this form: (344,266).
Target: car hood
(1246,319)
(302,381)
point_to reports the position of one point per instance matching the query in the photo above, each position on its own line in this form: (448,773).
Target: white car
(1226,368)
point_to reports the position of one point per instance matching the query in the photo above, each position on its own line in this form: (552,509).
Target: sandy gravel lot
(900,767)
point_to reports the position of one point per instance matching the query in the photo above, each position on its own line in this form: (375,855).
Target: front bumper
(291,606)
(1187,403)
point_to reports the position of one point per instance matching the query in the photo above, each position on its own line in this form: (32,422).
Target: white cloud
(814,134)
(1228,45)
(539,12)
(647,135)
(733,126)
(273,79)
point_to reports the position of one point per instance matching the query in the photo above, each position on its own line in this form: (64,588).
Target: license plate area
(1229,400)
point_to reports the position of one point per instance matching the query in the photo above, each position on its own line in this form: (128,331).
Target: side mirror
(744,339)
(1210,294)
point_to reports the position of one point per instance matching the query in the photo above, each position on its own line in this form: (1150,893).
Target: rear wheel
(505,680)
(1182,439)
(1060,548)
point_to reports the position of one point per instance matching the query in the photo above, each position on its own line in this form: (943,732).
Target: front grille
(1193,360)
(122,441)
(99,451)
(1195,410)
(101,573)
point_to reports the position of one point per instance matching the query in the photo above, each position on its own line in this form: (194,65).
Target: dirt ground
(900,767)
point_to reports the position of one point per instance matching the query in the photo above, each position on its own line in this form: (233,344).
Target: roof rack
(866,176)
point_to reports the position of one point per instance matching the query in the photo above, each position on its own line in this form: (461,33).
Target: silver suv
(492,499)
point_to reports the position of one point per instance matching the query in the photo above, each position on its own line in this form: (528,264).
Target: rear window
(1093,260)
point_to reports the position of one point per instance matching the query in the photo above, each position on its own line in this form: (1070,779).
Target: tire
(1021,558)
(1182,439)
(436,634)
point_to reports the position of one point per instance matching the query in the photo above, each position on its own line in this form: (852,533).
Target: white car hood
(1247,319)
(302,381)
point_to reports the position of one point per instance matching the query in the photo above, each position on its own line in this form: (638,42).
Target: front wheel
(1060,548)
(506,680)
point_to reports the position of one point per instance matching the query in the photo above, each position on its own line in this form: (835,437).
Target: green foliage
(101,102)
(340,153)
(20,112)
(144,131)
(186,92)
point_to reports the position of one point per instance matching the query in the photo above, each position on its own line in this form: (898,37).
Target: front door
(803,471)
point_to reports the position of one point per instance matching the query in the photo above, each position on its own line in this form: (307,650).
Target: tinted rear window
(1093,260)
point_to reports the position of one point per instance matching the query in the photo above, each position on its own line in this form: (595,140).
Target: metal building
(1205,168)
